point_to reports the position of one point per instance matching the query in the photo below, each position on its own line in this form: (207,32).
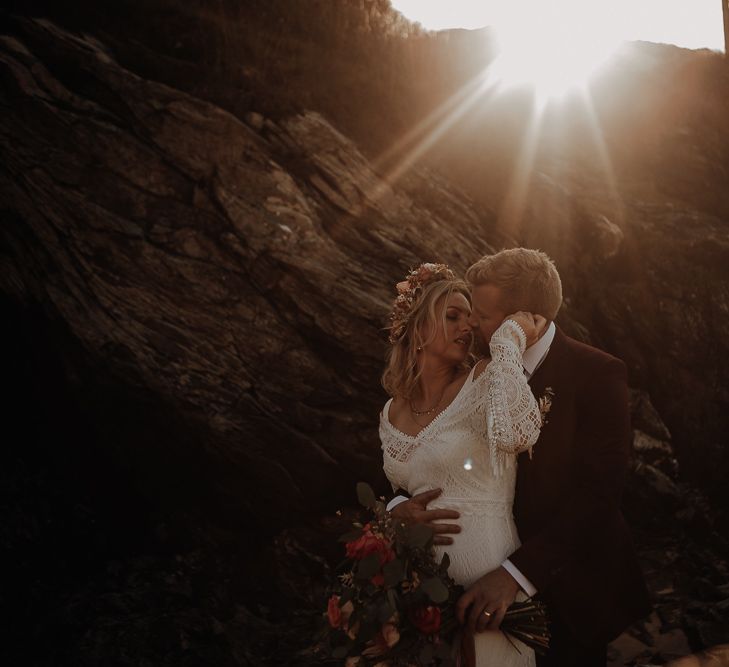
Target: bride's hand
(533,325)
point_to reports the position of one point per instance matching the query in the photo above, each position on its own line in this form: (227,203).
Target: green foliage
(366,495)
(436,590)
(396,601)
(368,567)
(394,572)
(419,536)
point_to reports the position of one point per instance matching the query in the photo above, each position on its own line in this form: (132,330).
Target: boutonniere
(545,404)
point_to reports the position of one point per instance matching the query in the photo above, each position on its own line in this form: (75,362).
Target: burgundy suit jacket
(576,547)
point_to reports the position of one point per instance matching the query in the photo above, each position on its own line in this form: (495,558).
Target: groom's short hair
(528,280)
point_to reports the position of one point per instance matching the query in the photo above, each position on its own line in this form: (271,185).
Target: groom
(576,552)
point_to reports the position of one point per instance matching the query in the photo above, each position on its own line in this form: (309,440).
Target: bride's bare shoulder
(397,408)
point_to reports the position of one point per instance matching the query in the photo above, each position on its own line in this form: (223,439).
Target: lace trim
(505,408)
(401,446)
(513,420)
(474,506)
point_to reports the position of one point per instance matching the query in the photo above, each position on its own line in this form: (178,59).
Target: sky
(692,24)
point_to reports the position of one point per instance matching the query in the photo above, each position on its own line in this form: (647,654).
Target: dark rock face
(654,291)
(238,273)
(682,552)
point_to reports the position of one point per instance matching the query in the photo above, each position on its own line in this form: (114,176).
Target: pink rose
(403,286)
(339,615)
(385,639)
(334,612)
(390,634)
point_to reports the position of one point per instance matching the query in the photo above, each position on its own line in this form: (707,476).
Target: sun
(555,49)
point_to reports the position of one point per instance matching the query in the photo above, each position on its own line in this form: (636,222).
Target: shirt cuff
(395,502)
(526,585)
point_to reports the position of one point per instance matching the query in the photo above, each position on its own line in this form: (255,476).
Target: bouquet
(393,605)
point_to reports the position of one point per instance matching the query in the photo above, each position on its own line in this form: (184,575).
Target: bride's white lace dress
(469,450)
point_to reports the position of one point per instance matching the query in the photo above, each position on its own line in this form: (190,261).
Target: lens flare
(555,48)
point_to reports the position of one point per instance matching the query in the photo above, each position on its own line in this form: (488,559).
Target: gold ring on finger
(487,614)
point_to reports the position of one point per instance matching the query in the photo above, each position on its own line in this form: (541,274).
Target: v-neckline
(386,411)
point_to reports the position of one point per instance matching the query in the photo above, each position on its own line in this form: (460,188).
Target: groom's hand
(493,593)
(416,510)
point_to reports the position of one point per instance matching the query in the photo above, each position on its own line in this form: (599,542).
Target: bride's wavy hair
(401,374)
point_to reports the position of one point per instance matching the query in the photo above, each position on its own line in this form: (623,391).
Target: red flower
(378,579)
(426,619)
(339,616)
(367,544)
(334,612)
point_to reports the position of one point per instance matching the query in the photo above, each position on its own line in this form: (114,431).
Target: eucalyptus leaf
(445,562)
(339,652)
(392,598)
(419,535)
(435,589)
(366,495)
(443,651)
(368,567)
(426,654)
(368,629)
(351,535)
(394,572)
(385,613)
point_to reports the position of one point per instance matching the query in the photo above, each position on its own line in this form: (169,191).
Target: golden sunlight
(547,51)
(555,46)
(551,48)
(694,25)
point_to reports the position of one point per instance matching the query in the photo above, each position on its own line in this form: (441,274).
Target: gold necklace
(420,413)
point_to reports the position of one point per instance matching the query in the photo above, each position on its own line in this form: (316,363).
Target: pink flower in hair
(409,290)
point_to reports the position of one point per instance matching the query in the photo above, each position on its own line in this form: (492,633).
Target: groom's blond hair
(528,280)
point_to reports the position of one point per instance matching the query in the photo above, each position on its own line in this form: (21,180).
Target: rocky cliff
(239,270)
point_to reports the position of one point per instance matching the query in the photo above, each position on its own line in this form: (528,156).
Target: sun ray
(410,148)
(513,204)
(603,153)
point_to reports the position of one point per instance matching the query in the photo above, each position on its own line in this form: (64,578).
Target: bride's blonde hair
(416,330)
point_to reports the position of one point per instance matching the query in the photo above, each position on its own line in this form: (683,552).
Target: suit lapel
(547,370)
(547,375)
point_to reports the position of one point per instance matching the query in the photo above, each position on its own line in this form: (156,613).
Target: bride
(459,429)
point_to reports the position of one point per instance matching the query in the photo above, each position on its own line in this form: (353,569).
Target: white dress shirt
(532,360)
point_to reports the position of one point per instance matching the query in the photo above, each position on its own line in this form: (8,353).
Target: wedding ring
(487,614)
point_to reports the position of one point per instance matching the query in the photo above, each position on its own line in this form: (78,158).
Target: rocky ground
(684,555)
(113,583)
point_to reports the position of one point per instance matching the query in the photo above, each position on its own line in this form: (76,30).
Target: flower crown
(408,292)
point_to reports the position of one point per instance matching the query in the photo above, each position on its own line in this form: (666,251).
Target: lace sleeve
(512,417)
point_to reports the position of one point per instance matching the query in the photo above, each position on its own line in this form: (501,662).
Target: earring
(419,348)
